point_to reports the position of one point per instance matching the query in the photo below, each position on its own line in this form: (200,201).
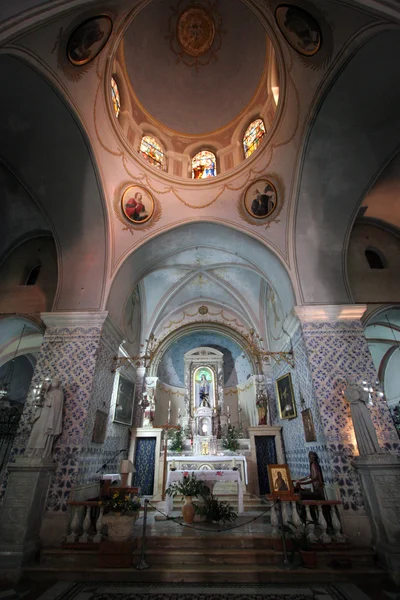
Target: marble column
(79,349)
(336,348)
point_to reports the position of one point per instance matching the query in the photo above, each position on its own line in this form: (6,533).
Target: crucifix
(165,428)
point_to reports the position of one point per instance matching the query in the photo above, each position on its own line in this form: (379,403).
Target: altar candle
(233,463)
(227,409)
(172,464)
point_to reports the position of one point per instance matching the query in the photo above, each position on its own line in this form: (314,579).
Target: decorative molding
(330,312)
(74,319)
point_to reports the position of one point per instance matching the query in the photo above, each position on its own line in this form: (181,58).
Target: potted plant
(120,513)
(216,510)
(230,439)
(303,544)
(177,438)
(190,487)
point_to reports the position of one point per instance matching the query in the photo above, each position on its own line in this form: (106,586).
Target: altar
(210,477)
(210,463)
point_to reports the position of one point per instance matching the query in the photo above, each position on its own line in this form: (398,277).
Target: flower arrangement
(177,438)
(188,486)
(230,439)
(261,401)
(121,502)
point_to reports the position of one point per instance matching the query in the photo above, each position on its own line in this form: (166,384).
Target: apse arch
(354,132)
(45,144)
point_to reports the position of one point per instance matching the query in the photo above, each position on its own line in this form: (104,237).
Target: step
(206,573)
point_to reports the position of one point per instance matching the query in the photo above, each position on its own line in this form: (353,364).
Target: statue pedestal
(22,512)
(380,479)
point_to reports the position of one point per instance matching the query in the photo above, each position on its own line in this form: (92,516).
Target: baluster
(274,522)
(85,526)
(99,525)
(285,514)
(338,536)
(310,526)
(296,518)
(324,537)
(74,526)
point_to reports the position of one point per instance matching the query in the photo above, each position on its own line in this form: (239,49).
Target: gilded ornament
(195,31)
(203,310)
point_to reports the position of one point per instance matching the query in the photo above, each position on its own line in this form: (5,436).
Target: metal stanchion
(286,562)
(143,564)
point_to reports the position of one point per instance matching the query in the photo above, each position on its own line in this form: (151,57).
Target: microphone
(125,450)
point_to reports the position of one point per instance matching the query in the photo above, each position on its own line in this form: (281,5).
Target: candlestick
(228,411)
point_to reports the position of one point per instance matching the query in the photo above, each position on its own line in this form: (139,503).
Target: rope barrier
(211,530)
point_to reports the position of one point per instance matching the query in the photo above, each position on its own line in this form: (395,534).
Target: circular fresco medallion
(260,198)
(299,29)
(195,31)
(88,39)
(137,204)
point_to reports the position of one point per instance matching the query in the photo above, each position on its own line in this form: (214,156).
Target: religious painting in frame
(286,401)
(299,28)
(137,204)
(260,198)
(88,39)
(100,427)
(125,400)
(280,482)
(308,424)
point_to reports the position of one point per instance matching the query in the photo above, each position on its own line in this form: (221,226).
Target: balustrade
(80,527)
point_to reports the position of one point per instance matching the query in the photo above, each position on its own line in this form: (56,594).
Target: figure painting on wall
(100,427)
(308,424)
(88,39)
(260,199)
(137,204)
(124,403)
(299,29)
(47,424)
(204,387)
(286,401)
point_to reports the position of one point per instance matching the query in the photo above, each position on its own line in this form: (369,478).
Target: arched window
(204,164)
(115,97)
(33,275)
(151,150)
(253,136)
(375,258)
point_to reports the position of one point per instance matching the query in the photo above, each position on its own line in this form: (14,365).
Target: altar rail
(316,523)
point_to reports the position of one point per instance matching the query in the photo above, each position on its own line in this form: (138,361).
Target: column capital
(74,319)
(330,312)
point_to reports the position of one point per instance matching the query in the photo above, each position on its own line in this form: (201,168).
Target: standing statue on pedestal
(364,429)
(47,424)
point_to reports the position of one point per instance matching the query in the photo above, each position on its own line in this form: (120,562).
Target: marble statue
(47,423)
(364,429)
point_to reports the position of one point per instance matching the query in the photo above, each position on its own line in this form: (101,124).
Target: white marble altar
(204,463)
(210,477)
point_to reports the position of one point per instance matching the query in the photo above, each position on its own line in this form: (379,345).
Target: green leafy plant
(121,502)
(216,510)
(299,535)
(188,486)
(230,439)
(177,438)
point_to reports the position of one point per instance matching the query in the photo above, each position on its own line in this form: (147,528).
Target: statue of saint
(48,422)
(364,429)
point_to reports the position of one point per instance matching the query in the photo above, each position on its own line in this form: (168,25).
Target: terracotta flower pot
(120,527)
(188,510)
(309,558)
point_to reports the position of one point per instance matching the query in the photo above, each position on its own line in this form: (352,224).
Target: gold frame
(269,182)
(143,191)
(288,480)
(293,400)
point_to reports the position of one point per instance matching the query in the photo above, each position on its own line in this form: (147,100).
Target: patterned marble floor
(129,591)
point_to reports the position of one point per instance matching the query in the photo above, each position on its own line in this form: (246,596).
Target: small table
(210,478)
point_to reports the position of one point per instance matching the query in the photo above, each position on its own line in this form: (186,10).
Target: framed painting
(260,198)
(100,427)
(299,28)
(280,482)
(286,401)
(137,204)
(88,39)
(125,399)
(308,424)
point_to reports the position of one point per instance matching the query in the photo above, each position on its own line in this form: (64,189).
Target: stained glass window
(253,136)
(204,164)
(115,96)
(151,150)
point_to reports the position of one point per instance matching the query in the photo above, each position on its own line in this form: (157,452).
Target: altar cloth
(211,478)
(209,458)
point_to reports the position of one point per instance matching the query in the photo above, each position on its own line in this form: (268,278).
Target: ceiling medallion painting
(299,29)
(88,39)
(262,202)
(195,33)
(136,208)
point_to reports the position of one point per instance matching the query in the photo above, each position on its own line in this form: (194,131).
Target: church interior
(199,298)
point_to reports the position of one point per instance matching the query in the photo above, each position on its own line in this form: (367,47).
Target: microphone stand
(102,468)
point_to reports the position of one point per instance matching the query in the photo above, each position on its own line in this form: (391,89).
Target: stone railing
(81,530)
(313,512)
